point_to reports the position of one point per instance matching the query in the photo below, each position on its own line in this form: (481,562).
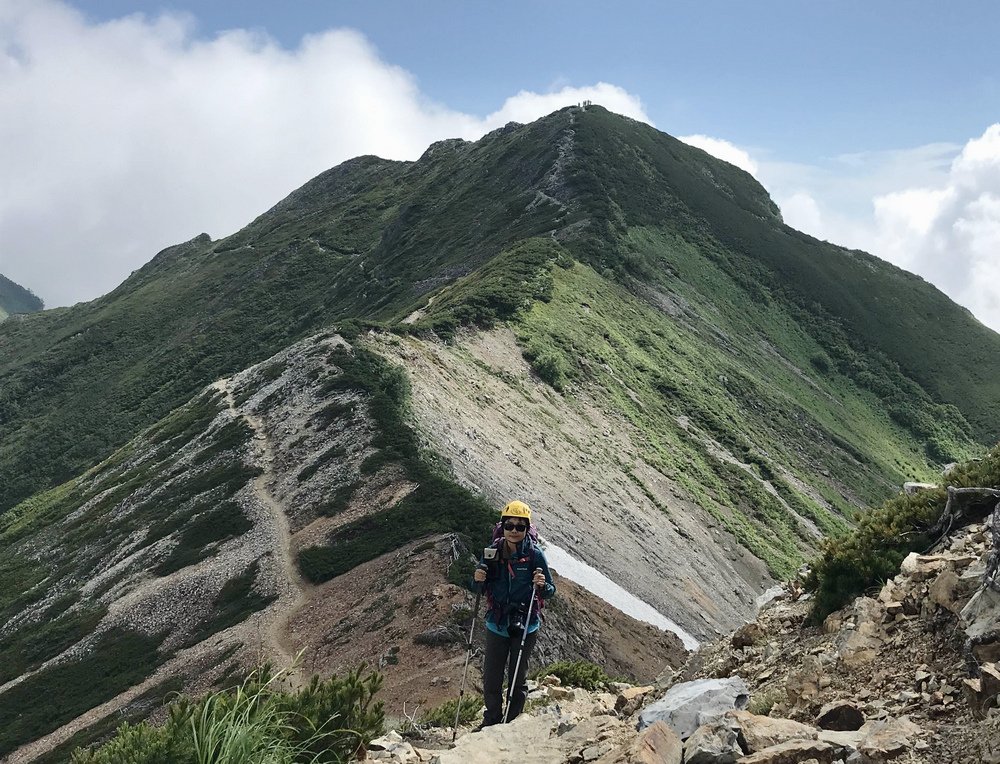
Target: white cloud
(933,210)
(121,138)
(527,106)
(801,211)
(724,150)
(949,233)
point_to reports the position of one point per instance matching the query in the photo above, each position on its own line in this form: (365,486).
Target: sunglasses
(519,527)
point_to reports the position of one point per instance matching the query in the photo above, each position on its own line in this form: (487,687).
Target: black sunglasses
(519,527)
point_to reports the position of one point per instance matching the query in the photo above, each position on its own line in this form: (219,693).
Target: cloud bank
(950,233)
(121,138)
(933,210)
(724,150)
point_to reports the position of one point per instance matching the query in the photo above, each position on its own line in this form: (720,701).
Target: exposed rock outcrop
(895,677)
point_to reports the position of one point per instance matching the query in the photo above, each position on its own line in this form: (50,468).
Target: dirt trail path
(269,630)
(291,586)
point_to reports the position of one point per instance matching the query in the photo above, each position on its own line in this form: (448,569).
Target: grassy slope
(360,240)
(370,239)
(60,540)
(632,175)
(168,500)
(784,419)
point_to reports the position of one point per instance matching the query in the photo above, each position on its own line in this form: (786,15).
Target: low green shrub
(444,714)
(53,696)
(584,674)
(872,552)
(763,703)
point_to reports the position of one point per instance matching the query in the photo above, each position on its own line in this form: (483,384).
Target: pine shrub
(871,554)
(444,714)
(583,674)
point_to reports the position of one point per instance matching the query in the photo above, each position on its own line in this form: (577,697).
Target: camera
(516,616)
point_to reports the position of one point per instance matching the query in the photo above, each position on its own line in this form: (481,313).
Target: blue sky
(808,80)
(129,126)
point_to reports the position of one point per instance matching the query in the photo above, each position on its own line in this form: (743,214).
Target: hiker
(518,572)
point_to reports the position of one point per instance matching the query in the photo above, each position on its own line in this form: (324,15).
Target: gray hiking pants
(501,653)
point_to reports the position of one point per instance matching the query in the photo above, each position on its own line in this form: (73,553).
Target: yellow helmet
(516,509)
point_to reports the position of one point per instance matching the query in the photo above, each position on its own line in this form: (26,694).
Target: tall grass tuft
(327,722)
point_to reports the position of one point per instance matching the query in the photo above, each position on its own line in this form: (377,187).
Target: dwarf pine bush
(871,554)
(584,674)
(324,723)
(444,714)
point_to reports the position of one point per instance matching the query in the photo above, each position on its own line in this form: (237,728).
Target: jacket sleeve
(470,582)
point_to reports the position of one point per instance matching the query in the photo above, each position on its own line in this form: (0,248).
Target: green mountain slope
(371,239)
(720,389)
(637,176)
(16,299)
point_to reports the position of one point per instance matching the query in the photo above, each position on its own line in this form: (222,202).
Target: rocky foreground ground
(907,675)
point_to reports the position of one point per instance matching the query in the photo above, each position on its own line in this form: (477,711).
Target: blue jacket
(508,586)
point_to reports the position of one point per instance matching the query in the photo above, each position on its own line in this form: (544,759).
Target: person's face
(514,528)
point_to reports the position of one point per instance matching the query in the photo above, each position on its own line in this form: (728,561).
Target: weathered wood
(951,509)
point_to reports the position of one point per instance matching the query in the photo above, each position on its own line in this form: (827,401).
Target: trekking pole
(468,654)
(512,680)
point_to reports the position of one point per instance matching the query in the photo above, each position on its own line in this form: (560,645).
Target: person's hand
(479,576)
(539,578)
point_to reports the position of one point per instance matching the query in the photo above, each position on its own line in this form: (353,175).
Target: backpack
(533,537)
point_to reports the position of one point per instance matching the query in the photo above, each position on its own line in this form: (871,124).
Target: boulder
(987,652)
(688,705)
(920,567)
(392,748)
(909,565)
(560,693)
(756,732)
(855,648)
(974,695)
(630,699)
(840,715)
(942,591)
(793,752)
(713,743)
(657,744)
(769,596)
(983,693)
(805,684)
(833,622)
(989,677)
(981,616)
(665,680)
(888,739)
(848,739)
(748,634)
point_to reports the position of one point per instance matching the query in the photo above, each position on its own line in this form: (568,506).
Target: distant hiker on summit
(515,577)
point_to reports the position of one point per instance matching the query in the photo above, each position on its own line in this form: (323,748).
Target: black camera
(515,618)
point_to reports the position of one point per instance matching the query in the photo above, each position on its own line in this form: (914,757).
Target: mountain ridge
(581,312)
(360,245)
